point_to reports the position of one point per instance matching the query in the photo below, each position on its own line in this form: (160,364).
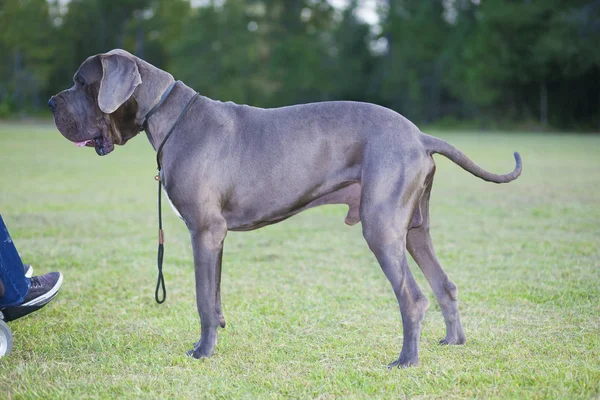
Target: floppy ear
(120,77)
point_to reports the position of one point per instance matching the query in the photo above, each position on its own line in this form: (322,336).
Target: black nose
(52,104)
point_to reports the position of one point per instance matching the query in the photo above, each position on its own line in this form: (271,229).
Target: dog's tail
(436,145)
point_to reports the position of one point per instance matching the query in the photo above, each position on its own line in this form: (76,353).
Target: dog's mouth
(101,143)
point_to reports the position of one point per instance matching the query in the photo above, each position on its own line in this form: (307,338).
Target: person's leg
(16,285)
(22,295)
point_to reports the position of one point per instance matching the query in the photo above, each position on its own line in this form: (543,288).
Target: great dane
(236,167)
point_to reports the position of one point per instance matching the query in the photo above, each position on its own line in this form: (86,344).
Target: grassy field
(309,312)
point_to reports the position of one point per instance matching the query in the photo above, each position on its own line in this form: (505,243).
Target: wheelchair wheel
(6,339)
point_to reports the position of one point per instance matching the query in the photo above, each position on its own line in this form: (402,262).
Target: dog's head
(105,106)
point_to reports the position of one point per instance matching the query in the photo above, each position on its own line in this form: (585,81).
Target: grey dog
(236,167)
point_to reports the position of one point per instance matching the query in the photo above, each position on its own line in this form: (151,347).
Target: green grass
(309,312)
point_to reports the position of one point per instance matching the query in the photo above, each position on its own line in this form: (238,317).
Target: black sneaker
(42,289)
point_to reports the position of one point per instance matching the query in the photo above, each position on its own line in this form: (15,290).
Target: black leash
(161,237)
(161,249)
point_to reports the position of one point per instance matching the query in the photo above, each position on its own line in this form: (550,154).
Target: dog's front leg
(207,242)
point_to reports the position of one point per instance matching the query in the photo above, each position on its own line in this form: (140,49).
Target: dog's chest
(168,198)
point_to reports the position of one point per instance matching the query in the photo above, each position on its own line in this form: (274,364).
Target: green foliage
(412,69)
(428,59)
(5,109)
(217,54)
(516,50)
(27,59)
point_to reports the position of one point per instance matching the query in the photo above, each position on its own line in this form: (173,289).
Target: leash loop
(161,252)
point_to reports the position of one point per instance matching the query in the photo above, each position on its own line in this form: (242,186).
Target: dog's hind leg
(420,246)
(389,196)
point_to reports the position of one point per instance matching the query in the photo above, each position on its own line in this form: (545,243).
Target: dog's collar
(159,150)
(154,109)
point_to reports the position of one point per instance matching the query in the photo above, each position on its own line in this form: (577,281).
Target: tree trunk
(17,67)
(122,33)
(139,37)
(544,104)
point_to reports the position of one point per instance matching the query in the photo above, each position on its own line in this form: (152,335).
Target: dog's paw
(200,353)
(404,362)
(455,340)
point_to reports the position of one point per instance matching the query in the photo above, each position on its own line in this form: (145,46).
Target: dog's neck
(159,118)
(157,105)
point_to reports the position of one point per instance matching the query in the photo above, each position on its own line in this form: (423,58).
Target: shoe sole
(12,313)
(46,297)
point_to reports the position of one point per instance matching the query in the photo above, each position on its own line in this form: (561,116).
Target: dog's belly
(263,209)
(247,220)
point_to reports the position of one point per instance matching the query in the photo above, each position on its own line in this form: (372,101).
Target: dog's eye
(80,81)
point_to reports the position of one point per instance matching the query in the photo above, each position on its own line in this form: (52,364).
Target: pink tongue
(81,144)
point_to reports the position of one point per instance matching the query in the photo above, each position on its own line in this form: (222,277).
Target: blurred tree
(267,53)
(219,53)
(519,56)
(165,26)
(299,36)
(417,40)
(95,26)
(351,62)
(27,61)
